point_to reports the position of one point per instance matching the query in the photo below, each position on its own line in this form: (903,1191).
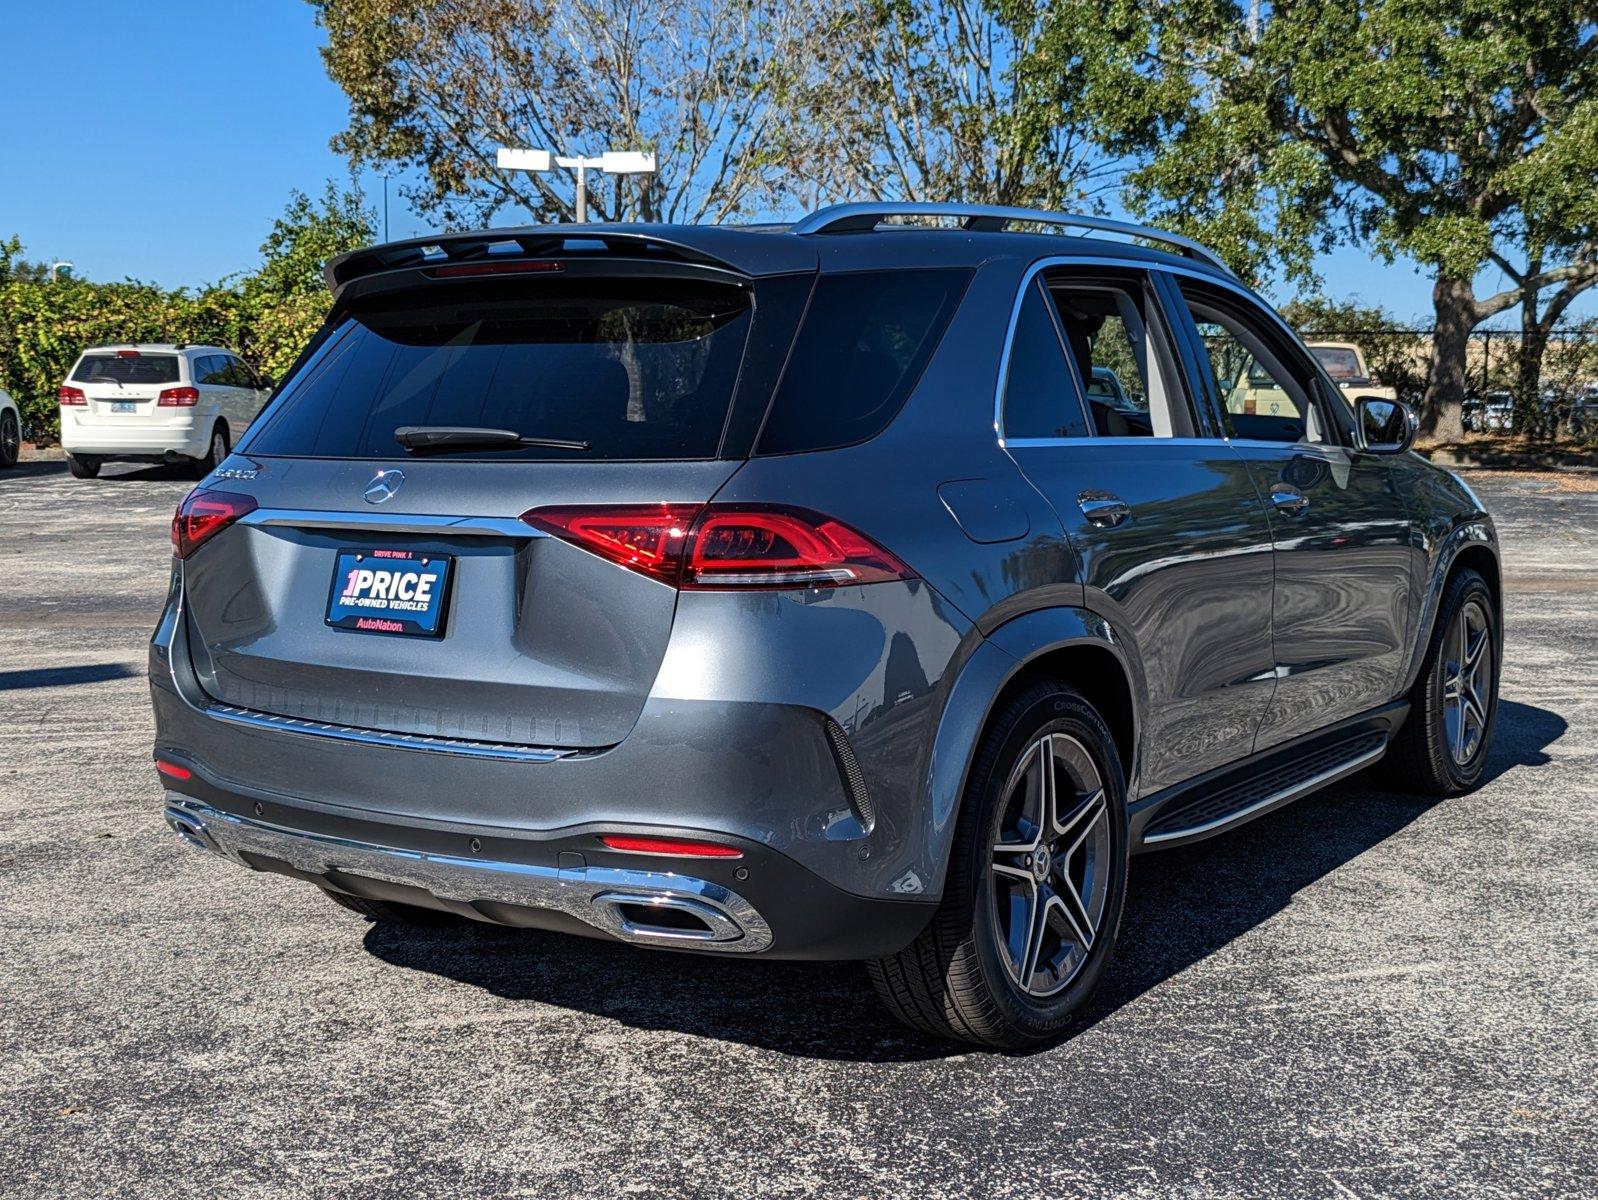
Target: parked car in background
(1345,363)
(10,431)
(809,594)
(156,403)
(1583,417)
(1492,413)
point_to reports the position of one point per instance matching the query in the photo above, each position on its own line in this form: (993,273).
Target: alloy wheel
(1050,864)
(1467,680)
(10,438)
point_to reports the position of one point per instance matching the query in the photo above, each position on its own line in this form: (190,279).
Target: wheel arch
(1472,545)
(1074,645)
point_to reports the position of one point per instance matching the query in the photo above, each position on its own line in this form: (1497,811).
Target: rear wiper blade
(423,439)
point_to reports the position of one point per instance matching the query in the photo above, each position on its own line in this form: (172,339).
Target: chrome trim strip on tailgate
(503,751)
(611,899)
(307,518)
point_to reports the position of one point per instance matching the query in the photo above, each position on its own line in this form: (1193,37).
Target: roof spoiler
(504,245)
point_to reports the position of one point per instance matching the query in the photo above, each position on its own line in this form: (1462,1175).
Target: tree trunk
(1442,405)
(1529,418)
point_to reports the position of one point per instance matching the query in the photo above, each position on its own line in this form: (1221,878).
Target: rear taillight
(203,515)
(72,395)
(178,397)
(725,545)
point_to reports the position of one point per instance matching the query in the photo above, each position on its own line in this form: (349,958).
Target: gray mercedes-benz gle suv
(796,591)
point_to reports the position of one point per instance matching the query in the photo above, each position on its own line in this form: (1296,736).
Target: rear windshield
(126,368)
(866,337)
(638,368)
(1339,361)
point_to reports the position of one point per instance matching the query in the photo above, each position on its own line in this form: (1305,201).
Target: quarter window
(1040,396)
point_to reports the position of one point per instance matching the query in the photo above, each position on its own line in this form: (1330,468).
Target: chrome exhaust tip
(664,917)
(190,830)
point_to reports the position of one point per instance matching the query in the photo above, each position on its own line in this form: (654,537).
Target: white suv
(10,431)
(170,403)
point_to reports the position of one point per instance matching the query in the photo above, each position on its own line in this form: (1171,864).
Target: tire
(961,978)
(386,912)
(1441,749)
(215,452)
(83,466)
(10,439)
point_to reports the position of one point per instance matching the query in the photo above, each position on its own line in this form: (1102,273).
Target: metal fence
(1563,405)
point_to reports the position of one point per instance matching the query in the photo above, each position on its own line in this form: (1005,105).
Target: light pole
(612,162)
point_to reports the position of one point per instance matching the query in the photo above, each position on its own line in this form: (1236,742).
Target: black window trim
(1183,399)
(1276,353)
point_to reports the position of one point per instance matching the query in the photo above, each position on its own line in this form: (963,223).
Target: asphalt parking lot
(1362,995)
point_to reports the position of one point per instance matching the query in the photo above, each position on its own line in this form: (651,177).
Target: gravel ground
(1360,995)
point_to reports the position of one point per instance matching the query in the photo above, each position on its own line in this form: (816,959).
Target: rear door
(1173,540)
(523,638)
(1342,542)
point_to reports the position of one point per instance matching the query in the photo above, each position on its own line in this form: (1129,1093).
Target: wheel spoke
(1037,925)
(1076,914)
(1082,821)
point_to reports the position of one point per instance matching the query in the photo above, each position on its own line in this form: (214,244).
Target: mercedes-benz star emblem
(384,484)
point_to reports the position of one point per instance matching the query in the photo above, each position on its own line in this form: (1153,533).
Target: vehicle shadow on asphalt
(110,473)
(45,677)
(1182,906)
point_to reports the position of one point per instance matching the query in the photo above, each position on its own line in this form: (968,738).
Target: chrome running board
(1232,804)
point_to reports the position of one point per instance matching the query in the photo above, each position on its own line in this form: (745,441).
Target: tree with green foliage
(285,299)
(953,102)
(1441,130)
(267,315)
(436,87)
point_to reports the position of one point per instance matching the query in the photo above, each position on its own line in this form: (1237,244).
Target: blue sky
(159,140)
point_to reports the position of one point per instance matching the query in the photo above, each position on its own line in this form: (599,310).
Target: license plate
(124,406)
(389,591)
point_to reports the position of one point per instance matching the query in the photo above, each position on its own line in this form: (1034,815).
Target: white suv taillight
(72,396)
(178,397)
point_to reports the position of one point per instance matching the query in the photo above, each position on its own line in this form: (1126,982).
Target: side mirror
(265,383)
(1385,426)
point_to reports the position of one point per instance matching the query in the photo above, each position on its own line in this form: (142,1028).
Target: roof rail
(993,218)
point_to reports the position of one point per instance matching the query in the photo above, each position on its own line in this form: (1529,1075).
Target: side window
(1262,399)
(1040,396)
(1116,355)
(208,368)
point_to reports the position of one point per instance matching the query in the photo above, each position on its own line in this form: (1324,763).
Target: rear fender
(1007,653)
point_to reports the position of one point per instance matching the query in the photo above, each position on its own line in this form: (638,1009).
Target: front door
(1343,595)
(1174,544)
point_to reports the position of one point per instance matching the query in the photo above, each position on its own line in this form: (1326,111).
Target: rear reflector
(172,769)
(72,395)
(203,515)
(677,847)
(726,546)
(178,397)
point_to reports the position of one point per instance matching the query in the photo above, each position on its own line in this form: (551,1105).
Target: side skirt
(1235,794)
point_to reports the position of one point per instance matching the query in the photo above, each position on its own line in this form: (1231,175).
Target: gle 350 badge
(389,591)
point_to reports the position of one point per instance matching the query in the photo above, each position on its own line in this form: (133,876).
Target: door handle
(1103,509)
(1289,500)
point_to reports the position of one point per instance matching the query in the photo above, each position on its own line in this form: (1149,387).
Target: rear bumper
(760,903)
(649,907)
(188,436)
